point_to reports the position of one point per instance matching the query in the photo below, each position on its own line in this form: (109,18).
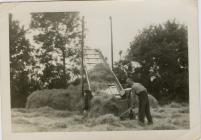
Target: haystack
(62,99)
(153,101)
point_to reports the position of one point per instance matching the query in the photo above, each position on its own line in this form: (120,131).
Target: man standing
(144,108)
(87,98)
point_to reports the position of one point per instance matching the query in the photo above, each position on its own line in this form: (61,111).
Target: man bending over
(144,108)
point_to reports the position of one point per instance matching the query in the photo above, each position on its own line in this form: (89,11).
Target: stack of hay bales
(62,99)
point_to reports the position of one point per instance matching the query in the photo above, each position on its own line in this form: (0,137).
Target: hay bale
(62,99)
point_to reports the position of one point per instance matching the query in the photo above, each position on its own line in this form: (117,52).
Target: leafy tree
(121,72)
(162,52)
(58,34)
(20,60)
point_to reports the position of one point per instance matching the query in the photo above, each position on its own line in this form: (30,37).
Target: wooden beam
(82,55)
(111,42)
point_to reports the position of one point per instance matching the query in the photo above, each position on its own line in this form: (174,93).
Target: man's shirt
(137,88)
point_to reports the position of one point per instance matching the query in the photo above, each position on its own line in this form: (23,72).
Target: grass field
(168,117)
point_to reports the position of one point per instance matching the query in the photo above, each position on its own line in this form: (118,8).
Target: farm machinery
(98,79)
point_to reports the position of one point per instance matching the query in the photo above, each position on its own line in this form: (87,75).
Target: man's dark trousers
(144,108)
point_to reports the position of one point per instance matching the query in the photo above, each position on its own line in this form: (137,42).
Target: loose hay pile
(62,99)
(105,104)
(108,104)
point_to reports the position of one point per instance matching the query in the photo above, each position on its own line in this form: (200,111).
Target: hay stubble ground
(169,117)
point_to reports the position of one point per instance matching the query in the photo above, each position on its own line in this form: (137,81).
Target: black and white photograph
(100,66)
(125,72)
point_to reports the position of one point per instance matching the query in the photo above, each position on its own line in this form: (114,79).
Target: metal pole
(111,42)
(82,55)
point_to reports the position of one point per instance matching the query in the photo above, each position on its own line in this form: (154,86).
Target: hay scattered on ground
(48,119)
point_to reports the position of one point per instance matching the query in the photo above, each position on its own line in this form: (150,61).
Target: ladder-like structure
(92,58)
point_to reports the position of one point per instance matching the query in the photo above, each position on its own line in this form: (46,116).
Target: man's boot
(131,115)
(141,123)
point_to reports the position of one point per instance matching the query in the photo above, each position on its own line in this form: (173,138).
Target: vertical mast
(82,55)
(111,42)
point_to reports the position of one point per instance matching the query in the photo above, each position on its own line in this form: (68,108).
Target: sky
(128,19)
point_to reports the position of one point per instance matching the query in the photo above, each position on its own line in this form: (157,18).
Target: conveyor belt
(94,57)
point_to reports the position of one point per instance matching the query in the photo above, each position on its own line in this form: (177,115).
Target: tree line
(49,60)
(161,52)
